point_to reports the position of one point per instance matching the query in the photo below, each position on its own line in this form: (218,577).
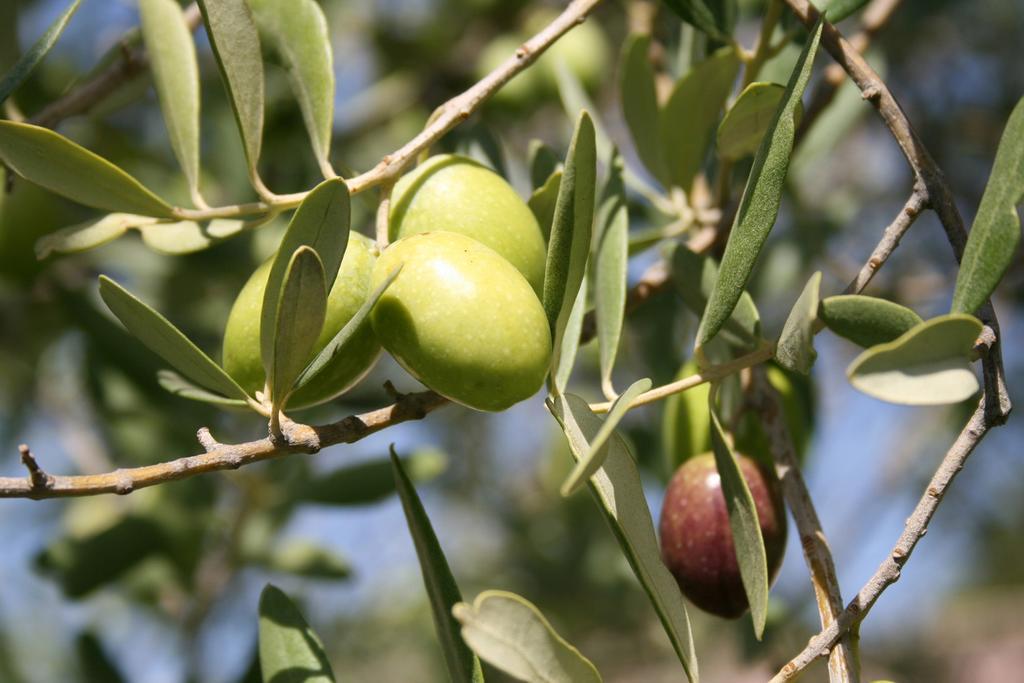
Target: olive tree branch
(446,117)
(130,64)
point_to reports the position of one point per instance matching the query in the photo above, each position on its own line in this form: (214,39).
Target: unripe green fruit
(242,358)
(456,194)
(696,539)
(462,320)
(584,50)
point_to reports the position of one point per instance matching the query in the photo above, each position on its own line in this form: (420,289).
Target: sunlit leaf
(759,205)
(929,365)
(175,384)
(236,46)
(746,530)
(21,70)
(694,278)
(795,350)
(691,112)
(640,104)
(89,235)
(167,341)
(187,237)
(995,235)
(866,320)
(511,634)
(620,494)
(747,120)
(301,310)
(322,223)
(369,482)
(598,448)
(290,650)
(611,261)
(172,57)
(442,591)
(569,245)
(297,30)
(52,161)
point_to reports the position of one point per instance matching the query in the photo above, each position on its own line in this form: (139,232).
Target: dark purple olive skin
(696,540)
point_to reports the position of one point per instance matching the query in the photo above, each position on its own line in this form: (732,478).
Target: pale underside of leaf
(611,262)
(795,350)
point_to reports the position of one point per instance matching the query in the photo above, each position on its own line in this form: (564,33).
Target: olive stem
(384,215)
(714,372)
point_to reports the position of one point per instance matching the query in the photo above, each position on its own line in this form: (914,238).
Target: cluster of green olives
(463,315)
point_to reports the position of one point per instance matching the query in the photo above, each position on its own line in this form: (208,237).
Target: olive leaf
(172,57)
(370,481)
(992,242)
(236,46)
(336,346)
(167,341)
(688,119)
(302,558)
(685,430)
(620,494)
(52,161)
(866,320)
(566,352)
(322,223)
(928,365)
(640,104)
(542,162)
(443,592)
(510,633)
(839,9)
(299,319)
(187,237)
(542,202)
(795,350)
(746,529)
(297,30)
(289,648)
(694,278)
(569,245)
(175,384)
(712,18)
(611,262)
(597,450)
(90,234)
(759,205)
(743,127)
(21,70)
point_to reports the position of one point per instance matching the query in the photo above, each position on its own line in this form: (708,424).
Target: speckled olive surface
(462,320)
(696,540)
(456,194)
(242,335)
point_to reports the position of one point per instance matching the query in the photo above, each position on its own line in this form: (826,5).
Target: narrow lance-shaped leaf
(759,205)
(236,45)
(694,277)
(166,340)
(542,202)
(336,346)
(90,234)
(569,245)
(620,494)
(289,648)
(640,104)
(597,451)
(929,365)
(301,309)
(52,161)
(298,32)
(700,14)
(511,634)
(866,320)
(689,116)
(30,60)
(744,125)
(172,57)
(995,235)
(443,592)
(566,352)
(321,222)
(611,261)
(746,530)
(542,161)
(174,383)
(795,350)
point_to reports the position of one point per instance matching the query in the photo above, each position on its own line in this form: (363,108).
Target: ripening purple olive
(696,540)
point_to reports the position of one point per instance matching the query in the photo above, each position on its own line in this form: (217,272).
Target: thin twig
(131,63)
(38,479)
(890,240)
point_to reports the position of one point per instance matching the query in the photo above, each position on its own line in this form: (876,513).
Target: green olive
(242,335)
(456,194)
(462,320)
